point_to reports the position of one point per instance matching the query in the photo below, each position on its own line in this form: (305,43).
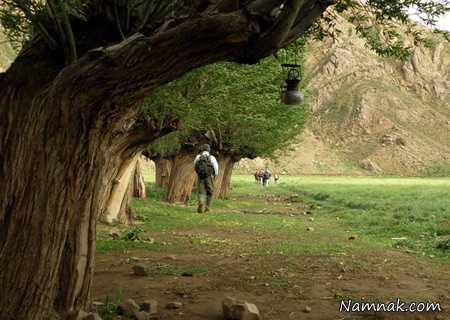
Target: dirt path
(282,286)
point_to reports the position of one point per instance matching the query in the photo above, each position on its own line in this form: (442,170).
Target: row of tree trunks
(138,183)
(224,161)
(225,187)
(182,178)
(163,168)
(117,206)
(128,184)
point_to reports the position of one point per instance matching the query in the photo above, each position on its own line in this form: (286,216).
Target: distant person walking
(207,169)
(259,175)
(266,177)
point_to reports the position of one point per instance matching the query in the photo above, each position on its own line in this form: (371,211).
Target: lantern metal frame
(292,80)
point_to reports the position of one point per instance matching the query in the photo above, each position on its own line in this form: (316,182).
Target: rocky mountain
(7,53)
(372,114)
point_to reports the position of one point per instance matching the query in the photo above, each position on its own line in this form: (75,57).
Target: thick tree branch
(264,7)
(118,22)
(276,37)
(283,25)
(125,72)
(312,12)
(72,47)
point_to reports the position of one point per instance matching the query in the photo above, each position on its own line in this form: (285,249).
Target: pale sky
(443,22)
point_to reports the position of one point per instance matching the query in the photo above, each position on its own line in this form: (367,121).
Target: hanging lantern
(290,94)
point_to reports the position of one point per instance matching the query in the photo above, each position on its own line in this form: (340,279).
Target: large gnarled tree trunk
(223,161)
(163,168)
(182,177)
(223,181)
(127,184)
(66,131)
(225,188)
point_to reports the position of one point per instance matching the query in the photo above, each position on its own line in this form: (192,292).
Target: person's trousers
(205,192)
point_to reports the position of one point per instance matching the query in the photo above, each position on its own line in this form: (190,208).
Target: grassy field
(332,237)
(407,213)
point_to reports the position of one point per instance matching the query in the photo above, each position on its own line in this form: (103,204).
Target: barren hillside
(373,115)
(6,53)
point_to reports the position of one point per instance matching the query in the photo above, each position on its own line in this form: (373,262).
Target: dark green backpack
(204,167)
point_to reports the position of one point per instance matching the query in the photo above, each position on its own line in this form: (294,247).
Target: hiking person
(276,178)
(207,169)
(266,177)
(256,175)
(260,175)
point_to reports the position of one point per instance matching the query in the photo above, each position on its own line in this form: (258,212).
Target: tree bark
(226,181)
(182,178)
(224,161)
(128,183)
(138,186)
(117,205)
(163,168)
(58,161)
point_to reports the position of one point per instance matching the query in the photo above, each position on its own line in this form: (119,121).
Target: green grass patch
(381,212)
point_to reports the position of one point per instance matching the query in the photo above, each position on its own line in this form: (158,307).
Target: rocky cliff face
(374,115)
(7,54)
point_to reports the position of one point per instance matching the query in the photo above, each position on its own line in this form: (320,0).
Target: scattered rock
(171,257)
(134,259)
(93,316)
(140,270)
(311,219)
(310,229)
(150,306)
(97,304)
(129,308)
(174,305)
(443,243)
(77,315)
(187,274)
(239,310)
(369,165)
(307,309)
(115,234)
(142,315)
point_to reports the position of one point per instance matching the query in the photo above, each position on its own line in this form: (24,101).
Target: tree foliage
(237,107)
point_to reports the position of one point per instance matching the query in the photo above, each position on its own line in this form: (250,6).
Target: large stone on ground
(142,315)
(239,310)
(140,270)
(150,306)
(93,316)
(174,305)
(129,308)
(77,315)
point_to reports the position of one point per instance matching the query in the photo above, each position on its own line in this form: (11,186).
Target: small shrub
(111,307)
(443,245)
